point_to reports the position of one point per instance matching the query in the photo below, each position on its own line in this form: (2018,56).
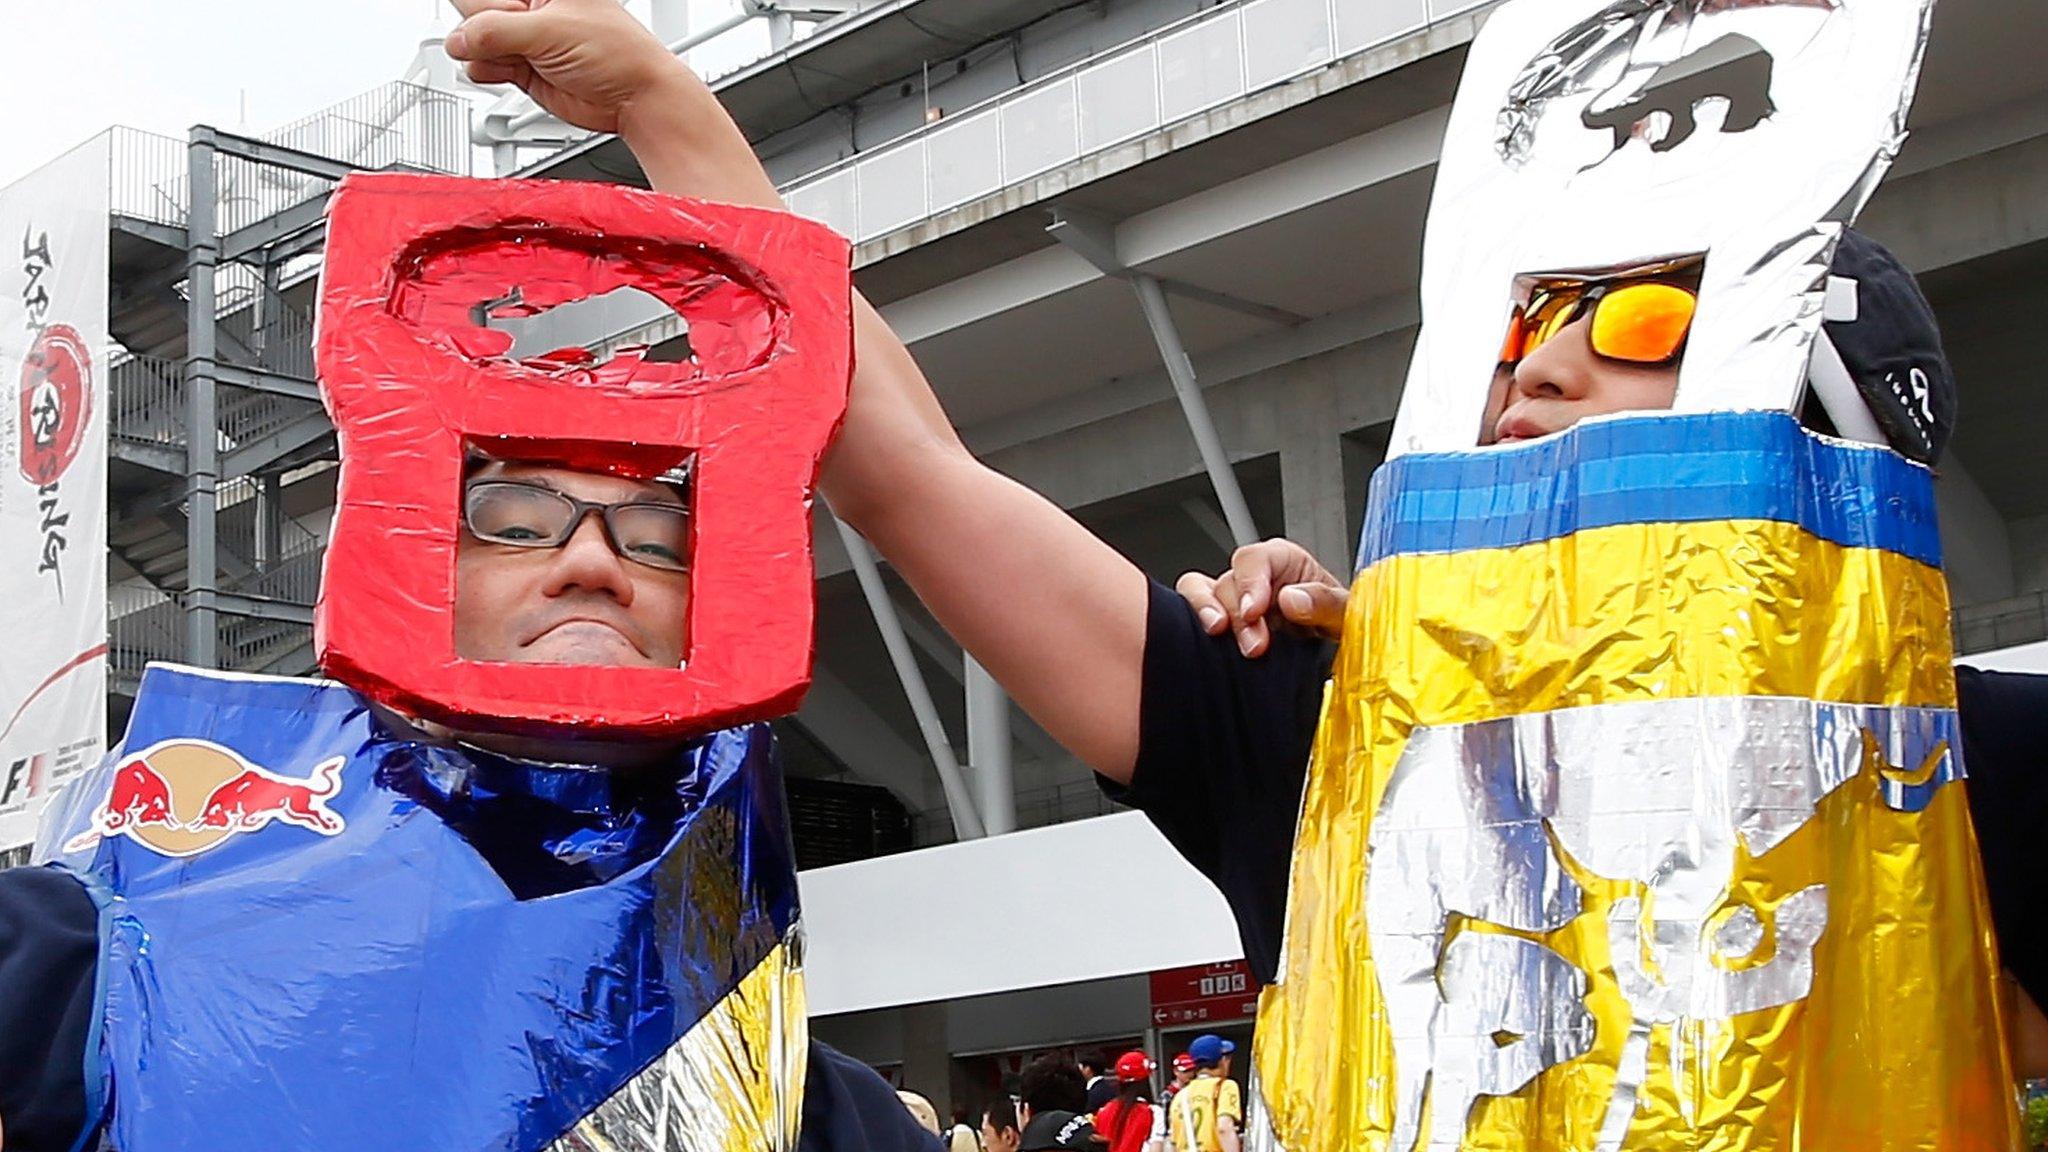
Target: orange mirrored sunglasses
(1638,321)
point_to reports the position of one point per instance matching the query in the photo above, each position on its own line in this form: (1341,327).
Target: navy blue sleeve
(848,1108)
(49,945)
(2005,751)
(1223,746)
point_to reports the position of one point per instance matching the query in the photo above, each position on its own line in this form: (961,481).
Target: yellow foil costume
(1635,817)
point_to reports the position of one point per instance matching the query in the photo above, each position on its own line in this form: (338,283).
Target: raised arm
(1055,615)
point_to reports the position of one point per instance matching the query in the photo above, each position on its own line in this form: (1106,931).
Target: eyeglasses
(529,516)
(1638,321)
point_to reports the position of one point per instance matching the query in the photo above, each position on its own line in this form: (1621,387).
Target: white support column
(1095,240)
(927,1057)
(967,823)
(1312,464)
(670,20)
(1181,371)
(988,748)
(1976,545)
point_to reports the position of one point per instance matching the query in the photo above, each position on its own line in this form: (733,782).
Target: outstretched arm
(1055,615)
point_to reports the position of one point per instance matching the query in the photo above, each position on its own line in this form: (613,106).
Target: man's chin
(583,643)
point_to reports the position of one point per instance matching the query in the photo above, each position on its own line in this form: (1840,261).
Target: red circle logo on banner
(56,403)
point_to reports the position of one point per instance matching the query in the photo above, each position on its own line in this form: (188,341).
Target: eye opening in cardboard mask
(582,333)
(537,293)
(1590,341)
(573,552)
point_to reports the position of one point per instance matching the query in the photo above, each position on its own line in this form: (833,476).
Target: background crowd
(1092,1104)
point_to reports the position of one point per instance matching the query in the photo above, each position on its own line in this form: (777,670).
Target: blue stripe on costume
(1653,469)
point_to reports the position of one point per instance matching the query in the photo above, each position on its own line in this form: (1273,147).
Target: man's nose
(1561,368)
(586,561)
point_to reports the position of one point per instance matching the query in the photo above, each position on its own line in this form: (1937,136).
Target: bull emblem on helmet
(1637,69)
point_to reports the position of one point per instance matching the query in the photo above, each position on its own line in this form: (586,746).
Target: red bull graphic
(182,797)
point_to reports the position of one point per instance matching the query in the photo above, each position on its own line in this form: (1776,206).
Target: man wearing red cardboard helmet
(521,880)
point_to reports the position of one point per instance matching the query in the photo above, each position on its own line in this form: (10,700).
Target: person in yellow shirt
(1207,1115)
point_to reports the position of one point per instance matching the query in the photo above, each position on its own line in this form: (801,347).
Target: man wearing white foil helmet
(1879,376)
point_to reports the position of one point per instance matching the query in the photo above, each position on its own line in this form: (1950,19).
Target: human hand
(1265,578)
(587,62)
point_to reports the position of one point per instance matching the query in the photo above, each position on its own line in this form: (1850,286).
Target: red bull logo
(182,797)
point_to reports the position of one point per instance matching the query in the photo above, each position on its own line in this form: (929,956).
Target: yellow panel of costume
(1635,819)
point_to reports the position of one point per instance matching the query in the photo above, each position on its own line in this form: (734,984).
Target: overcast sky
(76,66)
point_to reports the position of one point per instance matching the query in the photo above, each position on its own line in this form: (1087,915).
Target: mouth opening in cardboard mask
(1587,342)
(574,552)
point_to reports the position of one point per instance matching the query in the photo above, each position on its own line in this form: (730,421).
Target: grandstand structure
(214,258)
(1160,260)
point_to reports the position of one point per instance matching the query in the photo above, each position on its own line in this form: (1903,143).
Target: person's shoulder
(2004,719)
(850,1108)
(1979,688)
(49,950)
(49,932)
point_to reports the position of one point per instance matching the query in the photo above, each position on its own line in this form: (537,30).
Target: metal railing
(147,394)
(2022,619)
(279,335)
(395,125)
(147,175)
(1167,76)
(237,525)
(251,645)
(246,644)
(145,624)
(142,626)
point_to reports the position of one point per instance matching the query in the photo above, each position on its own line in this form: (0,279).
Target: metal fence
(1170,75)
(2022,619)
(147,175)
(270,333)
(396,125)
(147,394)
(142,625)
(145,624)
(244,643)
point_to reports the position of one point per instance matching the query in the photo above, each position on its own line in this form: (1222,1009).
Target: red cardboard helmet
(415,382)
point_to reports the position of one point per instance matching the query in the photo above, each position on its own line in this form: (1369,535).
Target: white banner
(53,481)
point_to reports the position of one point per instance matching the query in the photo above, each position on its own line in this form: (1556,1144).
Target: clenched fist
(587,62)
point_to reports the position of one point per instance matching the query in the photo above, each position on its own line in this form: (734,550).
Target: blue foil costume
(426,947)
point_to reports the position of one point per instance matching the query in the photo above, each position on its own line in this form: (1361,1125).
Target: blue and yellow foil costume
(1545,646)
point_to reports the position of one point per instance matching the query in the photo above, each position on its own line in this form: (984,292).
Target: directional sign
(1204,994)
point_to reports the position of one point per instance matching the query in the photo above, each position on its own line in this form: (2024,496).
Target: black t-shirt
(1224,741)
(48,950)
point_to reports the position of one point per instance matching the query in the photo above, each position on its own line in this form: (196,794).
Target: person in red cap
(1183,1071)
(1131,1122)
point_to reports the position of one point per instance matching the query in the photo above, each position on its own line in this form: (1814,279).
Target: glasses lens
(1550,313)
(517,514)
(1511,344)
(1643,323)
(657,535)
